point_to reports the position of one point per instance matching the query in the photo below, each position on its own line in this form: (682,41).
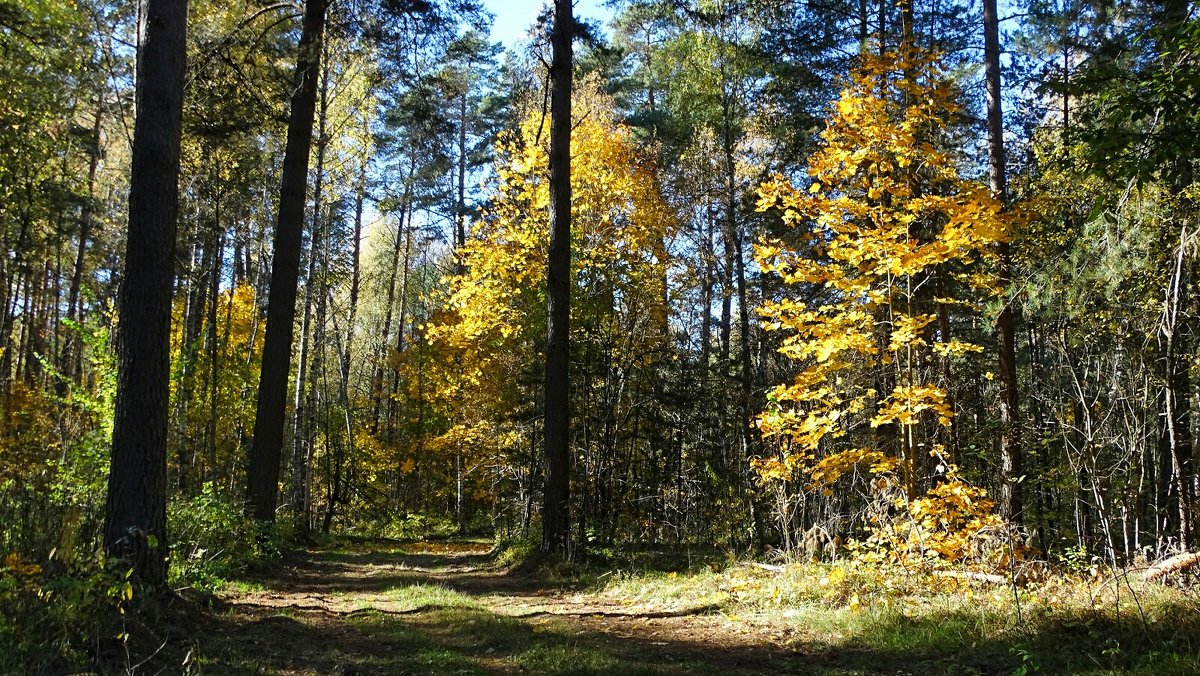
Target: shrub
(211,539)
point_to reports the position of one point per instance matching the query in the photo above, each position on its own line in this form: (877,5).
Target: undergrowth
(213,541)
(1102,622)
(63,613)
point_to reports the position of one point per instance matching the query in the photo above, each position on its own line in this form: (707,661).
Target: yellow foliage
(907,402)
(888,233)
(950,523)
(19,567)
(492,327)
(831,468)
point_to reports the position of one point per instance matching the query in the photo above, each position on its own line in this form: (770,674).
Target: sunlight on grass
(475,547)
(566,659)
(242,586)
(425,596)
(948,624)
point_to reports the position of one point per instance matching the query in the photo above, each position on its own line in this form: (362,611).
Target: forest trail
(445,608)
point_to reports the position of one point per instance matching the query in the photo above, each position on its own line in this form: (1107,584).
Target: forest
(746,336)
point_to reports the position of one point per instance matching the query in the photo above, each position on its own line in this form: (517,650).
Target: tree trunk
(136,508)
(301,413)
(72,357)
(400,322)
(266,447)
(460,215)
(734,237)
(355,281)
(555,517)
(1010,439)
(214,353)
(400,245)
(193,324)
(708,253)
(300,507)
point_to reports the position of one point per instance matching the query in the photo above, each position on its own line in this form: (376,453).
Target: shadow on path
(441,609)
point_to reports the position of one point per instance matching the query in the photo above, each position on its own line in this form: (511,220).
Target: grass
(474,640)
(860,617)
(439,614)
(240,586)
(429,596)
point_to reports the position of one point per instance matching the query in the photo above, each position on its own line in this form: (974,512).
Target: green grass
(839,618)
(480,641)
(863,620)
(426,596)
(564,658)
(241,586)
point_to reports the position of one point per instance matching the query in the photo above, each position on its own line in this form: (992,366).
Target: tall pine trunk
(1010,440)
(136,508)
(266,448)
(555,511)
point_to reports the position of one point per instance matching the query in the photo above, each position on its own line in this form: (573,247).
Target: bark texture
(555,511)
(267,446)
(1010,440)
(136,508)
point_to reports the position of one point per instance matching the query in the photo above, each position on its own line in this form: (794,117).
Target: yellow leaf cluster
(20,568)
(906,402)
(946,525)
(884,236)
(492,325)
(883,243)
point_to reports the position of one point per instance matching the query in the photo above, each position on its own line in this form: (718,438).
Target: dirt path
(442,608)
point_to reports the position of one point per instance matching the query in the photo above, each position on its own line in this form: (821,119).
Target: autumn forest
(746,336)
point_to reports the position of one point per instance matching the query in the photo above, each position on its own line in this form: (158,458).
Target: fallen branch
(767,566)
(1174,564)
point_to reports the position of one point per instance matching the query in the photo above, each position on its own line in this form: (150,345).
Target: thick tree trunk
(267,445)
(1010,439)
(555,516)
(136,508)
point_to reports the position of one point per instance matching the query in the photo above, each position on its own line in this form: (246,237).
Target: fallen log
(1174,564)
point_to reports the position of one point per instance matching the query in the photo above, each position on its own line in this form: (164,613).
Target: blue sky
(514,17)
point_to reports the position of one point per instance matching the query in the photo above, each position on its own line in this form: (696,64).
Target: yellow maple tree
(886,240)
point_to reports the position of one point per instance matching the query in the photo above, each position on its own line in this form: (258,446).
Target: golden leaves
(906,402)
(14,563)
(492,324)
(887,239)
(833,467)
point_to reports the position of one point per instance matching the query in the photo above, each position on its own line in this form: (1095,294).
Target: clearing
(447,608)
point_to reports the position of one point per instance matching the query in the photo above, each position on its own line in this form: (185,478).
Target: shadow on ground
(469,635)
(459,640)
